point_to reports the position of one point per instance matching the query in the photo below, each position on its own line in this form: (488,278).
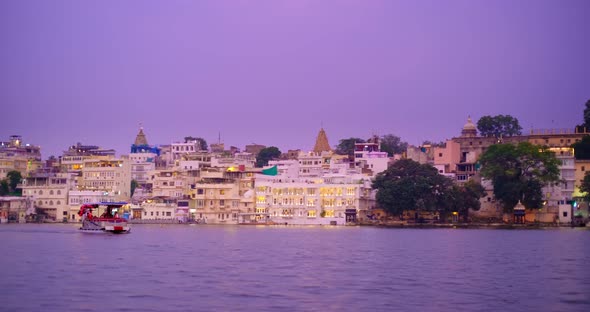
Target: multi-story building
(369,158)
(16,156)
(15,209)
(320,200)
(223,197)
(112,176)
(49,193)
(169,183)
(142,159)
(462,161)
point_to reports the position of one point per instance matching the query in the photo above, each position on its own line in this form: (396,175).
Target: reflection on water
(258,268)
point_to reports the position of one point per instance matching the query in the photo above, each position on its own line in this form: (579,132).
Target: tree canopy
(585,186)
(392,144)
(346,146)
(587,115)
(582,148)
(202,143)
(4,189)
(461,198)
(266,154)
(518,172)
(499,125)
(134,185)
(9,184)
(409,185)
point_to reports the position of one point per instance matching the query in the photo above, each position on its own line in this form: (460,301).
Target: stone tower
(321,142)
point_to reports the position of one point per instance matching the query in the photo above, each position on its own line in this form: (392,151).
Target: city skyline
(274,73)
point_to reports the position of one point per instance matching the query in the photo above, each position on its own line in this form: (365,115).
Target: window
(583,168)
(439,154)
(221,192)
(200,192)
(221,202)
(565,213)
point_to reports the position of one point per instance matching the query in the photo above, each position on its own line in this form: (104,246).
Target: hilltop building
(16,156)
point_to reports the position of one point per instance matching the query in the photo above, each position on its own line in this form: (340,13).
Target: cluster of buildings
(181,182)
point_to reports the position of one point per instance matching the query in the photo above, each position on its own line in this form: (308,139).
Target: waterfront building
(462,161)
(158,208)
(17,156)
(49,193)
(330,199)
(222,196)
(15,209)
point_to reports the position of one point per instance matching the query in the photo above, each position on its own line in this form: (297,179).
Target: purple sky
(272,72)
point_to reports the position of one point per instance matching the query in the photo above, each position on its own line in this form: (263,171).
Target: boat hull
(98,226)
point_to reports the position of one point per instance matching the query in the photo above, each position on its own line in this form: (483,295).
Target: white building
(49,193)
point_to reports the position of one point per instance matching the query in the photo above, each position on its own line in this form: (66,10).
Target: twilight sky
(273,72)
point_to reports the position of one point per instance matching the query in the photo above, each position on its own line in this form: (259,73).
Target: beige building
(223,197)
(112,176)
(14,209)
(49,193)
(17,156)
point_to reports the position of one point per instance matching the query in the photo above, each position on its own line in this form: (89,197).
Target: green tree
(585,186)
(409,185)
(499,125)
(582,148)
(14,178)
(461,198)
(202,143)
(392,144)
(346,146)
(266,154)
(518,172)
(4,188)
(587,116)
(133,187)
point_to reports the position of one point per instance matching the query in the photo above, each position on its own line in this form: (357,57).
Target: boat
(109,221)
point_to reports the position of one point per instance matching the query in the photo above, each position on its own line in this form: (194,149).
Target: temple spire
(321,142)
(140,139)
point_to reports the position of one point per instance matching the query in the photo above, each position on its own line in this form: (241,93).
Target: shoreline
(397,225)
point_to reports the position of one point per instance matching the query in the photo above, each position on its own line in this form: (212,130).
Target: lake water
(46,267)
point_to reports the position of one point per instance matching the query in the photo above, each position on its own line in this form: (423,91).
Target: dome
(469,125)
(469,129)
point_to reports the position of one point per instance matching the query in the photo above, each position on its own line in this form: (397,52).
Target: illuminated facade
(112,176)
(14,155)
